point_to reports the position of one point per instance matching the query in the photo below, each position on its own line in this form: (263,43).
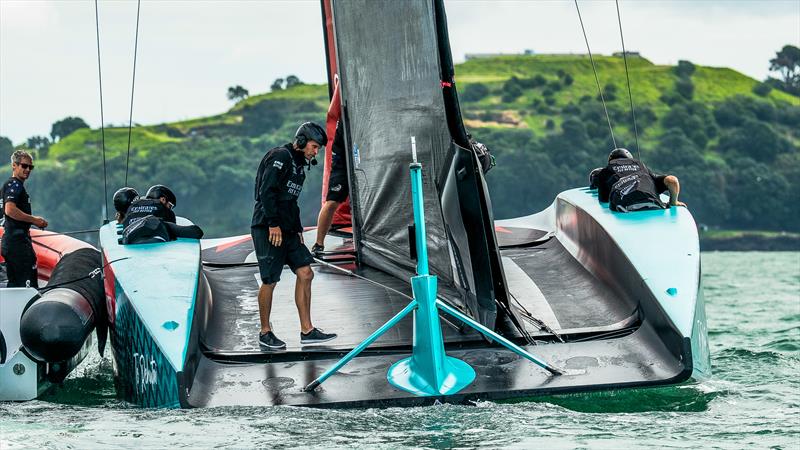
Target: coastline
(743,241)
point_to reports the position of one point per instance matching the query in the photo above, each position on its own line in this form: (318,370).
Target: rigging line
(133,85)
(102,118)
(361,277)
(520,327)
(535,320)
(68,233)
(628,78)
(596,78)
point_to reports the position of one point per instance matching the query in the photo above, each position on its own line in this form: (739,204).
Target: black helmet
(123,198)
(618,153)
(309,131)
(157,191)
(594,178)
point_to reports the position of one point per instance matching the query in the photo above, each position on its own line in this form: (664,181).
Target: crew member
(17,247)
(338,189)
(150,219)
(277,232)
(122,201)
(628,185)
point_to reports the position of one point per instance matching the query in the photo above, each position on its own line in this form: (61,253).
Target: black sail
(389,56)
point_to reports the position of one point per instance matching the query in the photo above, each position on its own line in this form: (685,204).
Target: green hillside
(737,153)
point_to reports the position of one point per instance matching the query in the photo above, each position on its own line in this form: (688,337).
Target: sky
(190,52)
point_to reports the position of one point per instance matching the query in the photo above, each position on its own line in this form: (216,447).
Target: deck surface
(354,308)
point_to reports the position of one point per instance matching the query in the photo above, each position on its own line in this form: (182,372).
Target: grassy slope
(649,81)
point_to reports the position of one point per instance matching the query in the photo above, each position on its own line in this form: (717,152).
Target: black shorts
(271,259)
(17,250)
(338,187)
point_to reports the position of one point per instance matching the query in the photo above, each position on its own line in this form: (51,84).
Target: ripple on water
(752,400)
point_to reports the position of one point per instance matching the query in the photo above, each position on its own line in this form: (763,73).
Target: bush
(609,92)
(511,92)
(568,80)
(550,101)
(762,89)
(571,110)
(475,92)
(550,124)
(538,80)
(512,89)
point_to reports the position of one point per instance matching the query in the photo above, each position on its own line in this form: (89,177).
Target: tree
(39,143)
(292,80)
(237,93)
(684,69)
(685,88)
(6,149)
(787,63)
(277,85)
(65,127)
(754,139)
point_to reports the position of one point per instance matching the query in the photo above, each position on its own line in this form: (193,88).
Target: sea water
(752,400)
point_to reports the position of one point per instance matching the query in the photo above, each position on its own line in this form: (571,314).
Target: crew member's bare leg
(302,297)
(265,305)
(325,219)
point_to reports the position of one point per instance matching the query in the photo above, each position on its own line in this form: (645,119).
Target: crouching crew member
(122,201)
(628,185)
(277,232)
(150,219)
(17,247)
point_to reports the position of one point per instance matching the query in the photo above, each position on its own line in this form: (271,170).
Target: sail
(389,62)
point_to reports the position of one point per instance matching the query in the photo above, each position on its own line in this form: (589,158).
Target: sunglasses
(25,166)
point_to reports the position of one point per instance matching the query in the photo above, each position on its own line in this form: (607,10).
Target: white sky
(191,51)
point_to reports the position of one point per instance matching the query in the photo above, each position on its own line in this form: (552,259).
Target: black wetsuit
(148,221)
(17,247)
(278,184)
(628,185)
(338,186)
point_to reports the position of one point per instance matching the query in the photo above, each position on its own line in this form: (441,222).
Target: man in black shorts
(338,190)
(628,185)
(17,247)
(278,234)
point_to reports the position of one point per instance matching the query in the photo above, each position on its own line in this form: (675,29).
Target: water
(752,401)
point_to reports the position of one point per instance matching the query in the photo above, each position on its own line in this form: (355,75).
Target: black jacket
(143,207)
(625,182)
(278,184)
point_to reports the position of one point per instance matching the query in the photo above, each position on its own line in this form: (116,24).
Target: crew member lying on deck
(628,185)
(150,219)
